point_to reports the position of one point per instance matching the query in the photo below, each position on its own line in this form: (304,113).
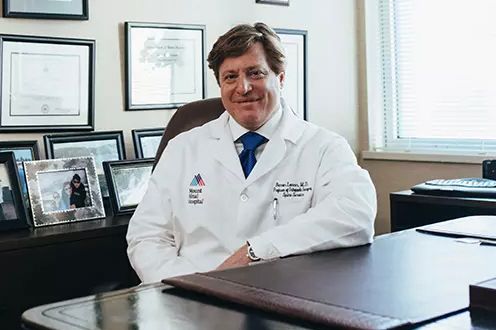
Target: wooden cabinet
(48,264)
(409,210)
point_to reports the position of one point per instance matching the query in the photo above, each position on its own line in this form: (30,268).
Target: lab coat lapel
(222,147)
(288,133)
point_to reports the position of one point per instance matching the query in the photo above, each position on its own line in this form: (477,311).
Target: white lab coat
(199,208)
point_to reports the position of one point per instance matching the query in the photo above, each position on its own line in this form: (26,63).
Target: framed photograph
(47,84)
(47,9)
(146,141)
(164,65)
(13,213)
(63,190)
(23,151)
(127,181)
(295,86)
(108,145)
(275,2)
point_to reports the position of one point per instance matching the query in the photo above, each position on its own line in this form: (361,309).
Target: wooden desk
(369,281)
(409,210)
(158,306)
(48,264)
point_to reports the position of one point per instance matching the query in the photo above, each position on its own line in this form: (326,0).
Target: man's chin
(251,122)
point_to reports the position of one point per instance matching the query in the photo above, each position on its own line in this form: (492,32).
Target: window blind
(438,75)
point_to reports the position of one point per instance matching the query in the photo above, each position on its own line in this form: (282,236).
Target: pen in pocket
(275,208)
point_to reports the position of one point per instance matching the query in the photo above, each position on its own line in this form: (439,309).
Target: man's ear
(282,77)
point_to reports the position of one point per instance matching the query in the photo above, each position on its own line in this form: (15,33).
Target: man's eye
(230,77)
(257,73)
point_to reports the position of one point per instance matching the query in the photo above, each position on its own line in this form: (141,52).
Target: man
(255,184)
(78,193)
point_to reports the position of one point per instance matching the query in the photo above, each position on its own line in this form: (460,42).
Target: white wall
(332,69)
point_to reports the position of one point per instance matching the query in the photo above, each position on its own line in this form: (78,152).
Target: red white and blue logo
(197,181)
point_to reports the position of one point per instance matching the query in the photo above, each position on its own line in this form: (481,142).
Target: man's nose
(243,86)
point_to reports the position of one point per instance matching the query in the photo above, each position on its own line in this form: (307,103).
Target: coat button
(244,197)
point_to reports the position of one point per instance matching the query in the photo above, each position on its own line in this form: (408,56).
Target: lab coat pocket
(288,208)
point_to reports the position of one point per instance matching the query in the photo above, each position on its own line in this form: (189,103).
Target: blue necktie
(251,141)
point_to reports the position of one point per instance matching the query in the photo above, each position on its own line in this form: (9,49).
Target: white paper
(165,66)
(44,84)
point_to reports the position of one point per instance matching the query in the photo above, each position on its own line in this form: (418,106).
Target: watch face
(252,255)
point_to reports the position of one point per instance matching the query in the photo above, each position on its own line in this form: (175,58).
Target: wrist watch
(250,253)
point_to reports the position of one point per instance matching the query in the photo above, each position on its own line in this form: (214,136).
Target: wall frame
(146,141)
(127,181)
(63,190)
(103,146)
(274,2)
(46,9)
(13,214)
(47,84)
(295,85)
(165,65)
(23,151)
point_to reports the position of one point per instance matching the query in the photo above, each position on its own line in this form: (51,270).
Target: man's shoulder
(196,133)
(319,134)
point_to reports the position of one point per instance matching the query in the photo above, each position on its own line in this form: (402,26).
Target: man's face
(250,90)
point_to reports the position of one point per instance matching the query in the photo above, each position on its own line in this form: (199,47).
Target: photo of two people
(64,190)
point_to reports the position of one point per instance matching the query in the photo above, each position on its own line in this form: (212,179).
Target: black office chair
(188,116)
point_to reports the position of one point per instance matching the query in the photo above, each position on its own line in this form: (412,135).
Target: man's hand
(237,259)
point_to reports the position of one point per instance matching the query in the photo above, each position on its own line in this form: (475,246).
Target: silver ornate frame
(41,218)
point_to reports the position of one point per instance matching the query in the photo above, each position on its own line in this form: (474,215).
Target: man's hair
(239,39)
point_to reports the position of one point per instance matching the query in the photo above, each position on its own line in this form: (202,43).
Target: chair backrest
(189,116)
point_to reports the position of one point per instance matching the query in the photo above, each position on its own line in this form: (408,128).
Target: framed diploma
(48,9)
(275,2)
(164,65)
(47,84)
(295,85)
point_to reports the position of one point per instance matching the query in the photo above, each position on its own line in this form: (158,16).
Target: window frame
(382,110)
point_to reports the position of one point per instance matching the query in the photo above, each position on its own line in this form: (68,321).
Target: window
(431,68)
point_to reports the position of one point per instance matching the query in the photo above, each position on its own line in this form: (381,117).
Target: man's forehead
(246,67)
(253,57)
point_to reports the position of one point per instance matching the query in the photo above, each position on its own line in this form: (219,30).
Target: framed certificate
(164,65)
(295,85)
(47,84)
(49,9)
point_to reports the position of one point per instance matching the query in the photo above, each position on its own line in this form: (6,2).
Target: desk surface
(160,306)
(408,276)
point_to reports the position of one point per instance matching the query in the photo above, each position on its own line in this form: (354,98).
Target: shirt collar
(266,130)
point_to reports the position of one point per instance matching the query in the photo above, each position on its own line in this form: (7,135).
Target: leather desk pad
(401,279)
